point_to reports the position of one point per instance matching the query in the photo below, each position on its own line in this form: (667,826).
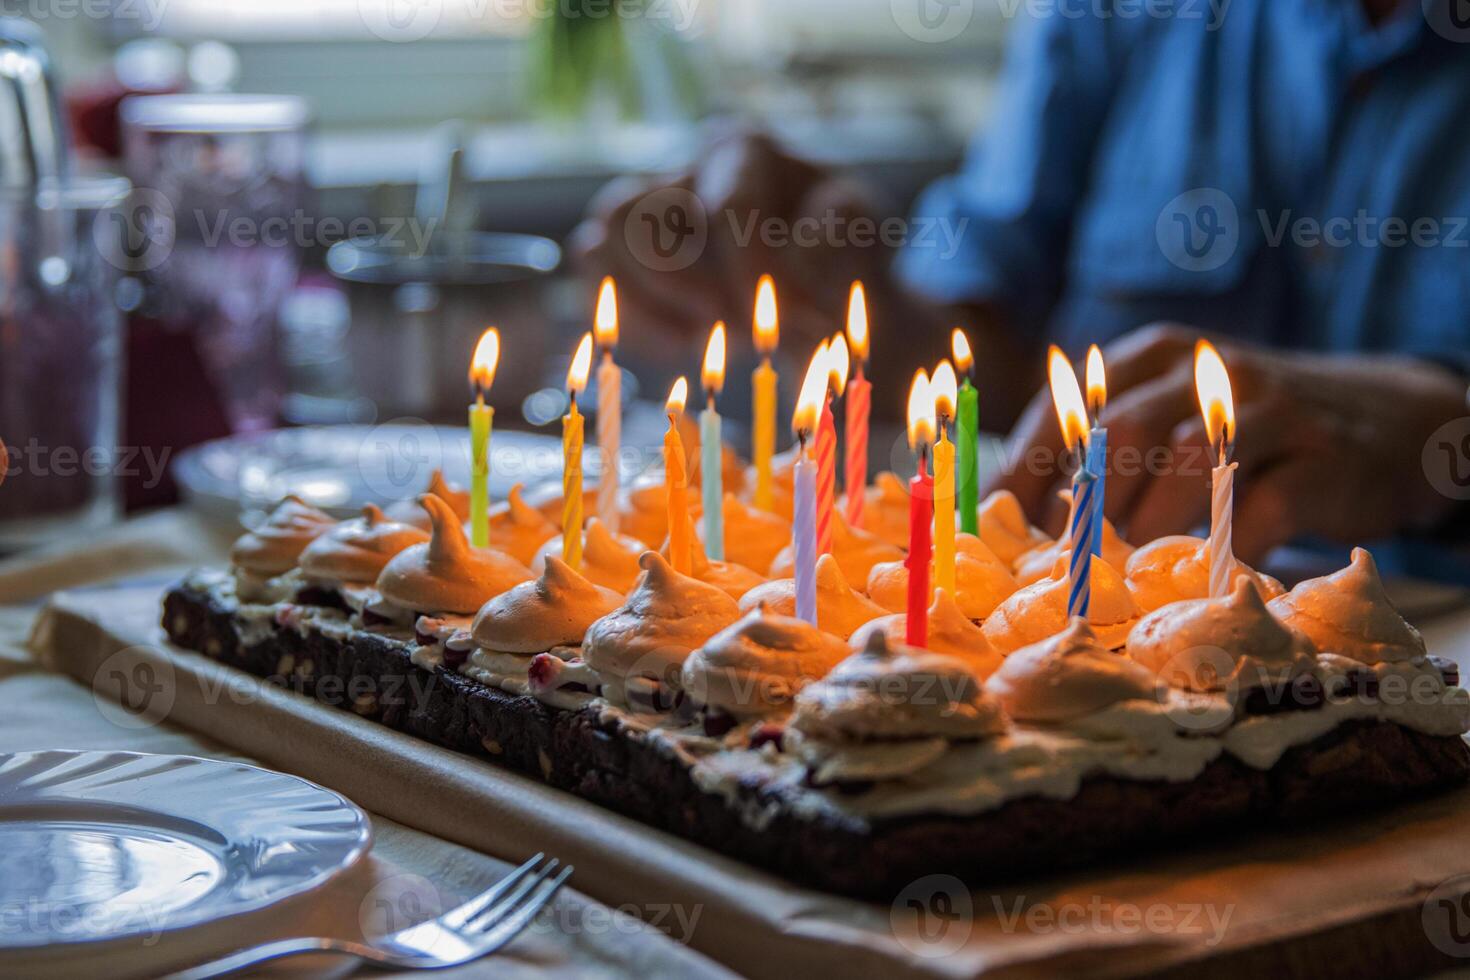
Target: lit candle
(1217,405)
(767,332)
(804,504)
(943,387)
(676,482)
(609,405)
(1097,441)
(921,511)
(859,401)
(571,444)
(482,375)
(1072,417)
(967,435)
(711,485)
(837,366)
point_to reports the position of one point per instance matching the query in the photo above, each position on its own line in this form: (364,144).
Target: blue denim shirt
(1285,172)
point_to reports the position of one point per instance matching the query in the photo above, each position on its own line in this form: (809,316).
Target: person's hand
(1328,445)
(688,251)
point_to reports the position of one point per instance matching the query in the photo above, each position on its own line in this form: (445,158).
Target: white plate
(110,846)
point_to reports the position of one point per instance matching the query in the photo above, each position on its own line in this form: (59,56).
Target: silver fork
(477,928)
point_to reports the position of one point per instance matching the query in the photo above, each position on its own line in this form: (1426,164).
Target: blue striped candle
(1097,465)
(1079,571)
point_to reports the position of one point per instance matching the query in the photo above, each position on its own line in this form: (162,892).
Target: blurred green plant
(590,54)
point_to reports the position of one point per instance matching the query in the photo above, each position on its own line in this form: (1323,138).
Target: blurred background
(332,198)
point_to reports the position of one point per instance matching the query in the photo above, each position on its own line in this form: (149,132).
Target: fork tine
(488,917)
(510,927)
(457,917)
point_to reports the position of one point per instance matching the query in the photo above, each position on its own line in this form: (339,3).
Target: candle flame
(678,395)
(1097,382)
(713,374)
(1216,401)
(581,365)
(813,393)
(767,323)
(1067,397)
(485,361)
(838,363)
(959,345)
(857,321)
(945,388)
(921,411)
(606,320)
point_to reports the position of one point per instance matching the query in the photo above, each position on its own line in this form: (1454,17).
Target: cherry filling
(454,659)
(768,733)
(1448,669)
(717,722)
(370,618)
(647,694)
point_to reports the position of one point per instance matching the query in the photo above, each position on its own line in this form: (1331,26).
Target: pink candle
(826,477)
(859,400)
(804,504)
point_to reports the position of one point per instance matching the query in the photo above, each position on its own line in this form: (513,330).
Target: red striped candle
(859,397)
(859,394)
(826,477)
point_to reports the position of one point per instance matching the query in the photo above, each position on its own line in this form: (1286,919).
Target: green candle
(967,439)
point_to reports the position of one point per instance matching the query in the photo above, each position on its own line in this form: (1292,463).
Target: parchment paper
(1220,898)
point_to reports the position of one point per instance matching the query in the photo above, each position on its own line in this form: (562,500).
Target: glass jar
(59,359)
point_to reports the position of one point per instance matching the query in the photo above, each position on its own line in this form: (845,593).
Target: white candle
(609,405)
(1217,406)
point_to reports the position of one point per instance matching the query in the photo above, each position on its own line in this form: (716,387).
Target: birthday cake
(1015,740)
(852,692)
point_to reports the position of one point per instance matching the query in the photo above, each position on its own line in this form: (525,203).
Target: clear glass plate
(104,846)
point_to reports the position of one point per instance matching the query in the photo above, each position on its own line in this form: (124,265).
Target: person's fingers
(609,246)
(1178,497)
(1278,503)
(1141,423)
(1147,352)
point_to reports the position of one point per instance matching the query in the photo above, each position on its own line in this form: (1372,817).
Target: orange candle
(571,444)
(767,332)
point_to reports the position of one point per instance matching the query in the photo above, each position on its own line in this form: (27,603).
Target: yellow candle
(571,444)
(676,483)
(482,418)
(763,381)
(944,386)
